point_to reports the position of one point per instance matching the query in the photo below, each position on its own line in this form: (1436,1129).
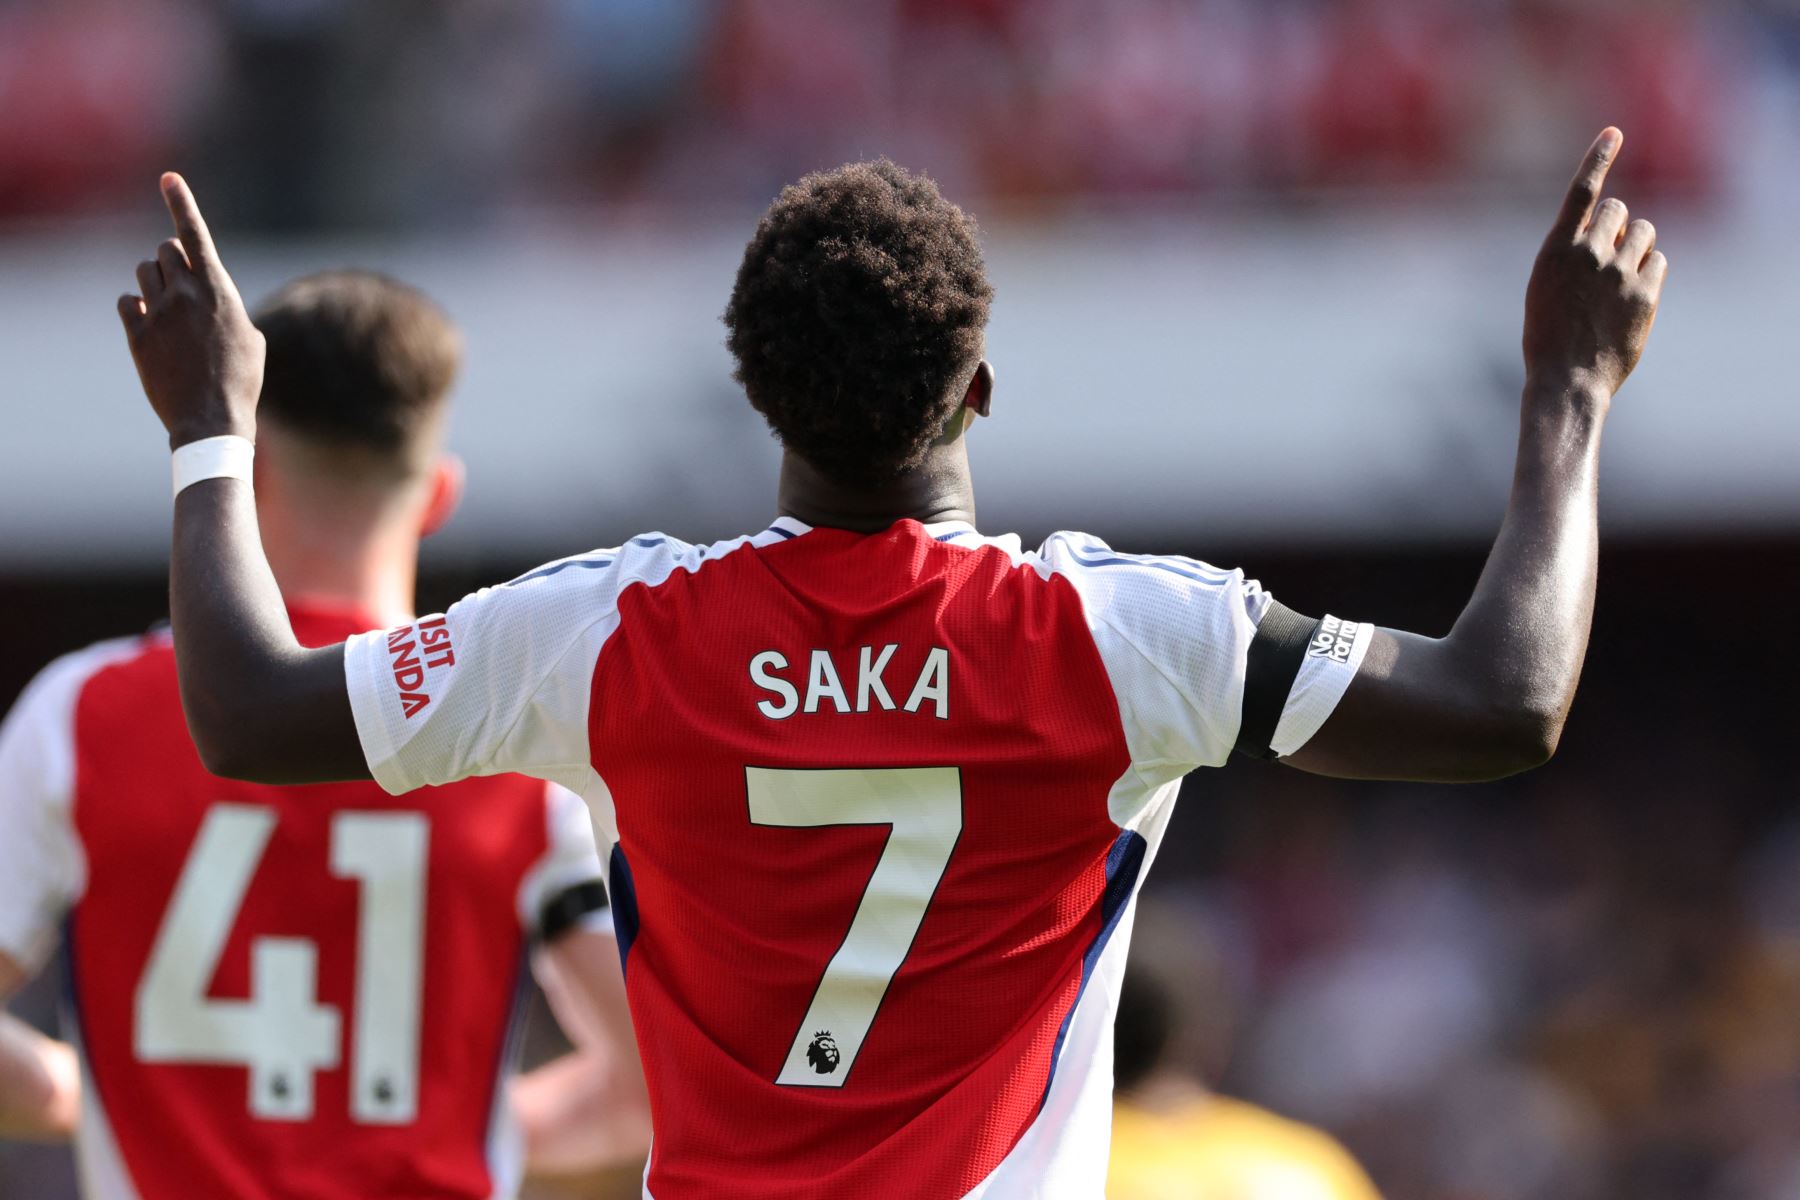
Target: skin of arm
(259,706)
(40,1080)
(1487,700)
(589,1110)
(1490,698)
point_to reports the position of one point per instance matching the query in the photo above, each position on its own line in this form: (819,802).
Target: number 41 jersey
(279,993)
(878,806)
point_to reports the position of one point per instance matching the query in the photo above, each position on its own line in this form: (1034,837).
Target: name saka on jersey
(874,809)
(823,683)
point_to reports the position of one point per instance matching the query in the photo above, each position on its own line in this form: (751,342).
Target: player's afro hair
(857,317)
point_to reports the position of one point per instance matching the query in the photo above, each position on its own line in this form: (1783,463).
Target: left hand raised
(198,355)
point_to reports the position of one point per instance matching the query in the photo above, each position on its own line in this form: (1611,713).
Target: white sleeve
(41,865)
(564,890)
(1174,635)
(501,681)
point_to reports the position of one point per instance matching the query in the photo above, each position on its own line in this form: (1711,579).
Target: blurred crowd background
(336,114)
(1581,985)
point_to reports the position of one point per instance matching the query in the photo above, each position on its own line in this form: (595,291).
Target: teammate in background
(304,992)
(878,790)
(1173,1138)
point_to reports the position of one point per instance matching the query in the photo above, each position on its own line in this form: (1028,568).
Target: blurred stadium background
(1259,267)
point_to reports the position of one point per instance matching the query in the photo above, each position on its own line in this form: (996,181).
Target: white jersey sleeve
(564,891)
(1175,635)
(42,868)
(501,681)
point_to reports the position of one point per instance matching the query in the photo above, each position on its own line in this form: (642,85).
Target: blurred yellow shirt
(1219,1149)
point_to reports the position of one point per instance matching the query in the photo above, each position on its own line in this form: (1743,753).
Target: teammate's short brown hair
(357,360)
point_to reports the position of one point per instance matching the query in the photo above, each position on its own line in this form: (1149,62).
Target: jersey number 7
(922,806)
(281,1032)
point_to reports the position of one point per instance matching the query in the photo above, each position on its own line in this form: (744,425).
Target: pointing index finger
(190,226)
(1590,180)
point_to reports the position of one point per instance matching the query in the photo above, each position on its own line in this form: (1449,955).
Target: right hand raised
(1594,292)
(198,355)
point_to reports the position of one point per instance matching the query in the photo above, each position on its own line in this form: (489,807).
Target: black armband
(1269,673)
(565,910)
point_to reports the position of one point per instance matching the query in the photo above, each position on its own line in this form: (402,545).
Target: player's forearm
(589,1110)
(1589,309)
(259,706)
(1489,699)
(40,1084)
(581,1114)
(1523,637)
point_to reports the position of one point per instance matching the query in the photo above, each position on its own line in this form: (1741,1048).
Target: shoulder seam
(646,541)
(550,668)
(591,560)
(1180,688)
(1098,618)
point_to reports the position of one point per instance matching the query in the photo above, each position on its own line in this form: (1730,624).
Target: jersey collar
(943,531)
(787,527)
(959,532)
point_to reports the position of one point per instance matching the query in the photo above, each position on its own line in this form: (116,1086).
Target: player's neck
(939,489)
(375,577)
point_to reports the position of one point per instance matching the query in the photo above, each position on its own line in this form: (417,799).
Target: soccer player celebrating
(304,992)
(879,789)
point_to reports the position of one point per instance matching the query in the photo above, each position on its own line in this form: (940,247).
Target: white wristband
(227,457)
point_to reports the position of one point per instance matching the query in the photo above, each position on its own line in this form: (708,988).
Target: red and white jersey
(878,808)
(295,993)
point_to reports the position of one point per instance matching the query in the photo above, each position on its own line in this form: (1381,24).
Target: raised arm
(259,706)
(1490,698)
